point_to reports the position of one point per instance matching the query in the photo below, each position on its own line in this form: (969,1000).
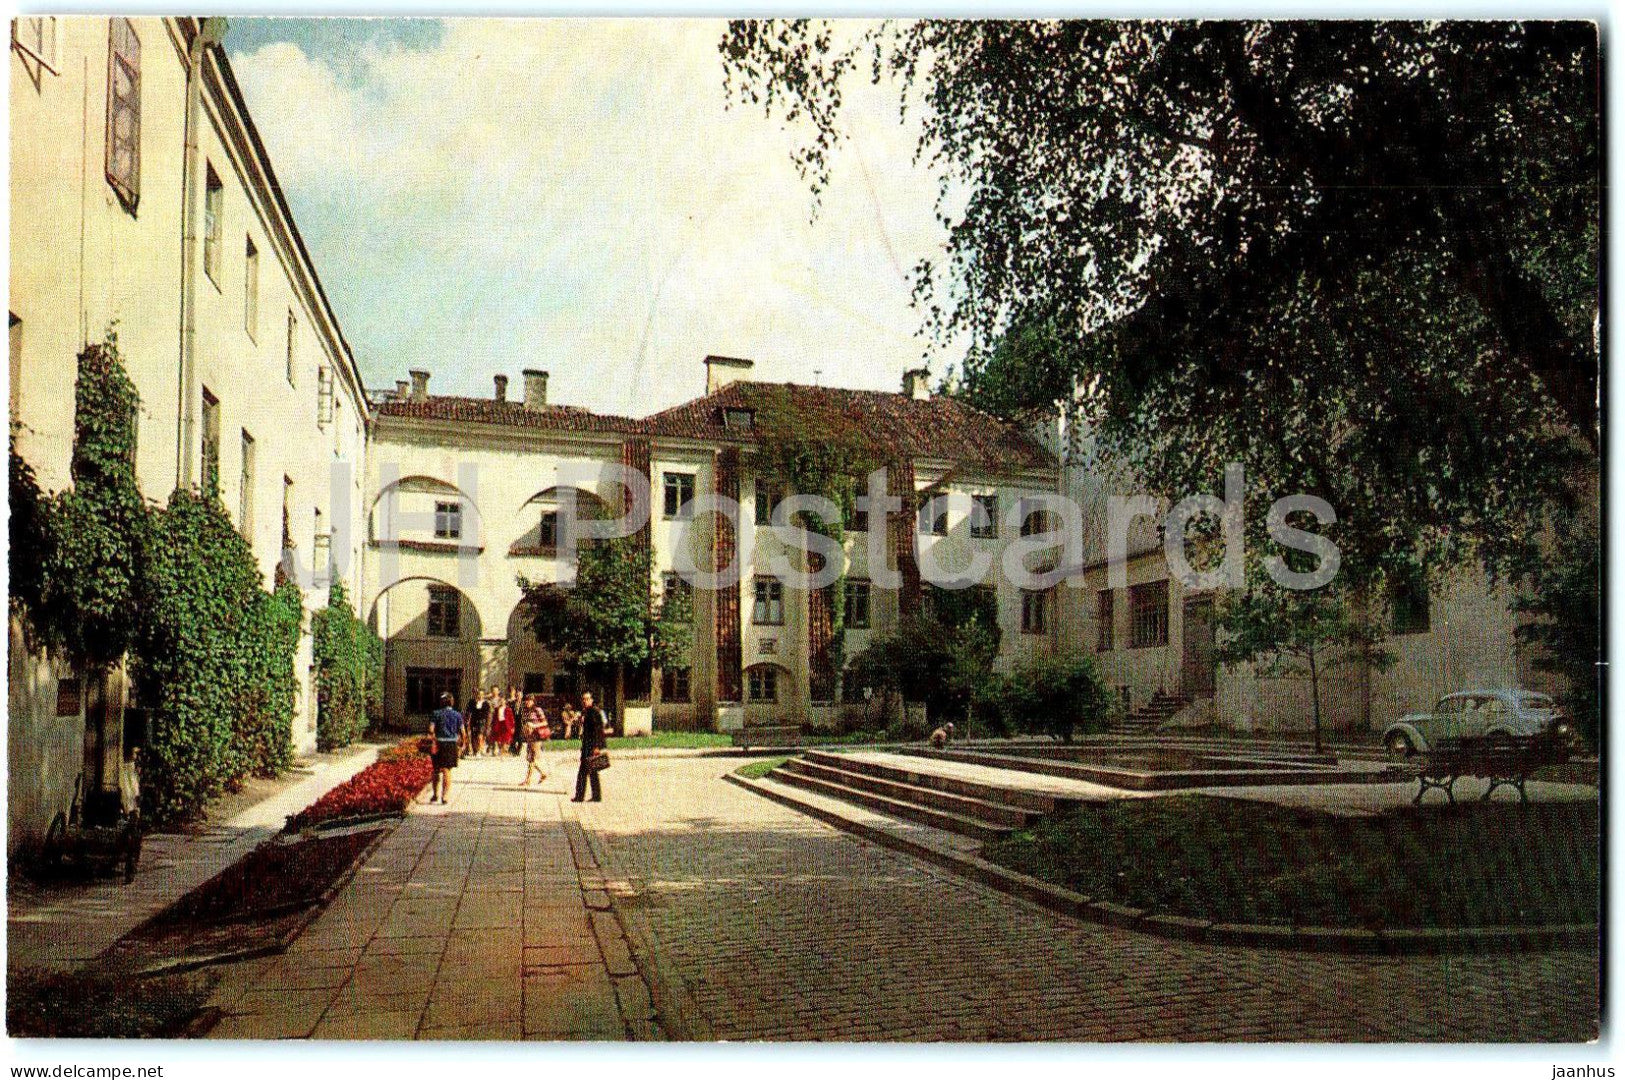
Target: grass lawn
(660,740)
(1494,864)
(758,769)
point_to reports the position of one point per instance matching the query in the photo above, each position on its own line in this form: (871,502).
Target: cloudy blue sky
(482,196)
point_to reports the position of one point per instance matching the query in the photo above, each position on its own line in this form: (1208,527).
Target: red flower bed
(385,787)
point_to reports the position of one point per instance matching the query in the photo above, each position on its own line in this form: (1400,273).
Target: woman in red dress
(502,721)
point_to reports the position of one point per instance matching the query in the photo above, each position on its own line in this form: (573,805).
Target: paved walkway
(516,914)
(484,919)
(771,925)
(65,926)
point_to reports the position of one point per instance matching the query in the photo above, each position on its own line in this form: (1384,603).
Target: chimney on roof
(502,387)
(535,389)
(722,370)
(914,384)
(400,389)
(420,385)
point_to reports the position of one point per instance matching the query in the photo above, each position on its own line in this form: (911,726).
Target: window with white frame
(293,348)
(251,288)
(769,607)
(679,492)
(214,213)
(988,529)
(448,521)
(857,604)
(1034,611)
(35,37)
(763,683)
(324,394)
(124,112)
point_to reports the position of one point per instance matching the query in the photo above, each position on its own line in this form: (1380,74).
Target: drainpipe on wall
(209,31)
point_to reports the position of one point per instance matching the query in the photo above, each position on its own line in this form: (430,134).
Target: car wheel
(1400,745)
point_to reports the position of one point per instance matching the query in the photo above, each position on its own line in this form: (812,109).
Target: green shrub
(214,657)
(1059,696)
(349,661)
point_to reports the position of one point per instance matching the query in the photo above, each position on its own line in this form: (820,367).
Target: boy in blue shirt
(446,729)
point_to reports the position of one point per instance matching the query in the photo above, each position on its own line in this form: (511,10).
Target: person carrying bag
(594,750)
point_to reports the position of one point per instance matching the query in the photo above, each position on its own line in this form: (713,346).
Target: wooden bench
(764,735)
(1500,760)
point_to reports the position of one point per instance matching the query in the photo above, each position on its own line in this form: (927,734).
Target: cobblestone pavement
(760,923)
(484,919)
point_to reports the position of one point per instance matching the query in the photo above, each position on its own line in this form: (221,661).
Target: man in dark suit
(594,737)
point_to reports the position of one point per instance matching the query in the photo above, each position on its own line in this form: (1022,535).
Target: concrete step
(925,815)
(904,772)
(983,810)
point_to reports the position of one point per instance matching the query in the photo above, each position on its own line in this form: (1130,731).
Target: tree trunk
(620,695)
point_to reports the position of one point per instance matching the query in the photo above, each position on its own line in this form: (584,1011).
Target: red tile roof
(934,427)
(508,413)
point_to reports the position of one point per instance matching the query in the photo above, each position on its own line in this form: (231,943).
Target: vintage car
(1477,714)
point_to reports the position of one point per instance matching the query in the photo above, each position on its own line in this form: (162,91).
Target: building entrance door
(1199,644)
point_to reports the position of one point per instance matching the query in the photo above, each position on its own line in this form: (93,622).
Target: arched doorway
(431,633)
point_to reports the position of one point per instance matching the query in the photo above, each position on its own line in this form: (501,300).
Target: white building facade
(143,205)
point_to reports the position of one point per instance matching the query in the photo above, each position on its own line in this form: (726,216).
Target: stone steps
(946,820)
(964,805)
(898,767)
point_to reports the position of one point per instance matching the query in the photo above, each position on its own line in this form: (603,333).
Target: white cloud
(573,194)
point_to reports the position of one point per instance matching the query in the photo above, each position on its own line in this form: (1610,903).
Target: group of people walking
(494,723)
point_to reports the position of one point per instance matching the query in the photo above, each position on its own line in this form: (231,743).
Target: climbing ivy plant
(84,573)
(816,451)
(349,661)
(100,577)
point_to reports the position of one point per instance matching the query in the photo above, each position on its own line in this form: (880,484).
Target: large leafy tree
(1359,258)
(610,618)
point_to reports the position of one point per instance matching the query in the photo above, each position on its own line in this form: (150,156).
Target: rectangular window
(857,604)
(1105,616)
(547,533)
(287,514)
(739,419)
(934,517)
(321,548)
(445,611)
(676,684)
(1034,607)
(764,684)
(214,196)
(210,475)
(251,288)
(1033,518)
(769,607)
(16,343)
(858,520)
(293,348)
(448,521)
(1408,603)
(245,489)
(425,685)
(324,395)
(1148,615)
(767,499)
(124,112)
(679,492)
(677,589)
(989,529)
